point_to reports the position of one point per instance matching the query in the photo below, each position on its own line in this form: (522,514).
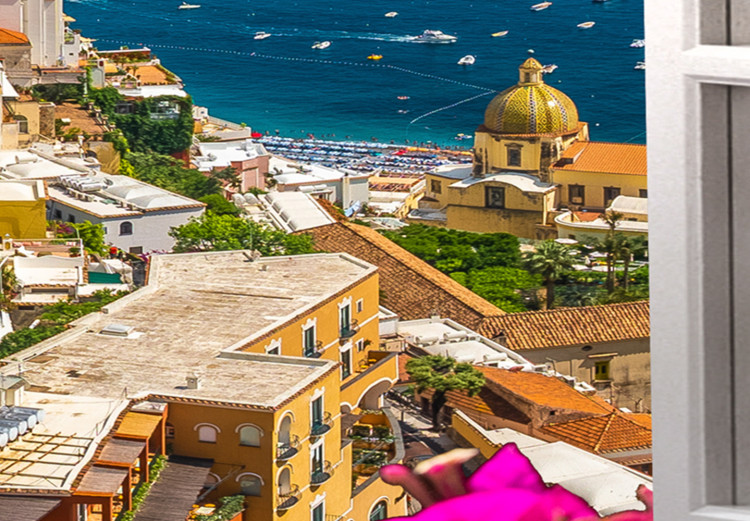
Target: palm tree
(609,246)
(550,260)
(625,248)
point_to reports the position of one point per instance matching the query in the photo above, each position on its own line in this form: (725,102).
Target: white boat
(261,35)
(185,5)
(467,60)
(638,43)
(549,69)
(321,45)
(499,34)
(391,14)
(586,25)
(640,66)
(539,7)
(430,36)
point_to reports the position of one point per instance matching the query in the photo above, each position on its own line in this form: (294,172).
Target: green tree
(442,374)
(168,173)
(227,177)
(610,247)
(211,232)
(500,285)
(91,234)
(550,260)
(626,247)
(219,205)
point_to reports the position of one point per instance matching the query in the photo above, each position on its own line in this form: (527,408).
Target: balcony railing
(285,451)
(288,499)
(349,330)
(315,350)
(320,427)
(321,474)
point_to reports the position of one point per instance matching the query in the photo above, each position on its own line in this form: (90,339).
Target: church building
(532,161)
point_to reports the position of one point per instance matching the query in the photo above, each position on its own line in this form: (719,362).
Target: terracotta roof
(152,75)
(570,326)
(486,402)
(611,158)
(543,390)
(586,216)
(79,118)
(8,37)
(614,432)
(410,287)
(403,375)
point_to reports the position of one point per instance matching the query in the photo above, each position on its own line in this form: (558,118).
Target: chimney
(193,381)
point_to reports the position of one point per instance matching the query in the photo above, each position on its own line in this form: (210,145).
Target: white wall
(41,21)
(150,230)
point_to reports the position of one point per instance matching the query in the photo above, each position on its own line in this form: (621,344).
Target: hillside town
(200,321)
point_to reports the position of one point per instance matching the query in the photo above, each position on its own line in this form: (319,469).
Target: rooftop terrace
(196,311)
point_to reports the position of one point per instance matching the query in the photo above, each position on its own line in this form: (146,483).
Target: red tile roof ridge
(601,427)
(9,37)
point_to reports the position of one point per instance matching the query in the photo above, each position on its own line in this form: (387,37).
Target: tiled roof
(486,402)
(570,326)
(611,158)
(410,287)
(79,118)
(543,390)
(614,432)
(8,37)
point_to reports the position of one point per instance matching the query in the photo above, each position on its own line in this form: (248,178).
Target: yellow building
(532,159)
(23,212)
(260,362)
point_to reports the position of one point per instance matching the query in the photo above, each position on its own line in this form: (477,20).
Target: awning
(102,480)
(122,451)
(24,508)
(8,90)
(139,425)
(173,496)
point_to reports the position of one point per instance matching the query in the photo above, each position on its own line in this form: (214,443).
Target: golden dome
(531,106)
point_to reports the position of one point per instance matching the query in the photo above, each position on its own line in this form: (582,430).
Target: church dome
(531,106)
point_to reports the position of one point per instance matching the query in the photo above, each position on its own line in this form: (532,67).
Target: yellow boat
(375,57)
(499,33)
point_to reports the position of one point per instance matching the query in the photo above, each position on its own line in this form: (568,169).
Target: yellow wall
(23,219)
(595,183)
(472,436)
(493,152)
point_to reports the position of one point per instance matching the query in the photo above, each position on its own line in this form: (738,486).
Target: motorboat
(467,60)
(640,66)
(638,43)
(549,69)
(499,34)
(402,98)
(321,45)
(185,5)
(539,7)
(261,35)
(430,36)
(391,14)
(586,25)
(375,57)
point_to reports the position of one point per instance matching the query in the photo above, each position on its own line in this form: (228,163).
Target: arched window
(250,436)
(126,228)
(250,484)
(379,511)
(207,434)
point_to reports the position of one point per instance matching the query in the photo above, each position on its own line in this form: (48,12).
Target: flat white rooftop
(223,154)
(295,211)
(22,190)
(196,311)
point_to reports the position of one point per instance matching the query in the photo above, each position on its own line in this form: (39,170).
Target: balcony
(348,331)
(285,451)
(322,474)
(319,428)
(288,499)
(375,375)
(314,351)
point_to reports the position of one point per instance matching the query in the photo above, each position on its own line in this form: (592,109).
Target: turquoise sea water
(281,83)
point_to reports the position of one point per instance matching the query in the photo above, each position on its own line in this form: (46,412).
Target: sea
(415,93)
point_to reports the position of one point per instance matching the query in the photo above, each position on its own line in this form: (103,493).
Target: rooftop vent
(120,330)
(193,381)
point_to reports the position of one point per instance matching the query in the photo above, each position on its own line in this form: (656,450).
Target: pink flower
(505,488)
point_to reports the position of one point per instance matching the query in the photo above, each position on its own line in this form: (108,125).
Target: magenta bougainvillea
(505,488)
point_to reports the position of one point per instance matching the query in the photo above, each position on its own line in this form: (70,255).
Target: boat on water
(586,25)
(185,5)
(499,34)
(539,7)
(261,35)
(391,14)
(467,60)
(430,36)
(638,43)
(640,66)
(549,69)
(375,57)
(402,98)
(321,45)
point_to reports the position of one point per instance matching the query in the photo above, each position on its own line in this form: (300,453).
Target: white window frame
(238,479)
(360,345)
(319,500)
(701,442)
(343,349)
(310,324)
(199,428)
(238,431)
(274,345)
(313,447)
